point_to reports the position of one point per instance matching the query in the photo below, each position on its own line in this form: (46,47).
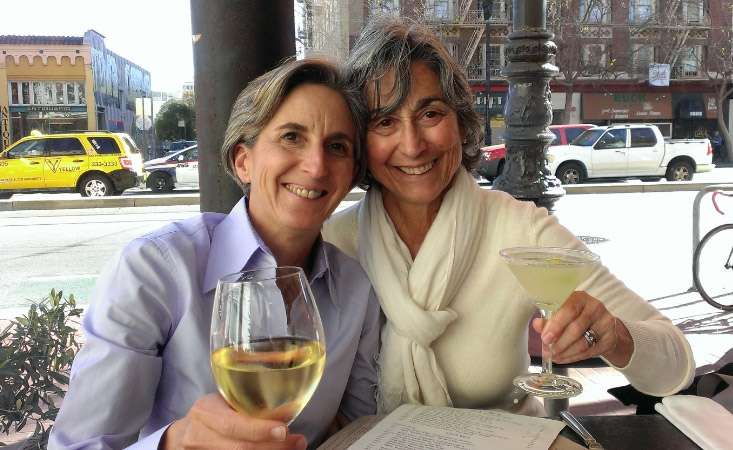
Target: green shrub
(36,352)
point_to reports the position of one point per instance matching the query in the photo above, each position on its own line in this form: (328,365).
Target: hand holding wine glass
(268,348)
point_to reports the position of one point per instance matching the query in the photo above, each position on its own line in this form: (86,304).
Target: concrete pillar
(528,109)
(91,102)
(233,42)
(4,106)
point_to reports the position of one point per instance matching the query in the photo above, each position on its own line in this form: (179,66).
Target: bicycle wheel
(712,267)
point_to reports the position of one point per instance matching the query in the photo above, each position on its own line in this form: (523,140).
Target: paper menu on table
(414,427)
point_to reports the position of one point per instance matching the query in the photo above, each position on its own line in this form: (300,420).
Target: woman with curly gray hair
(429,238)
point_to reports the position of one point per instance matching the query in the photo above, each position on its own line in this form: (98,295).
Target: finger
(580,349)
(538,324)
(561,318)
(200,436)
(213,412)
(592,312)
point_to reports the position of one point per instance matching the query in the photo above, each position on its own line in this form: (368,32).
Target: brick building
(605,50)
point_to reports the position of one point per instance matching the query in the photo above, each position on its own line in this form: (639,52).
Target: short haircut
(389,43)
(260,100)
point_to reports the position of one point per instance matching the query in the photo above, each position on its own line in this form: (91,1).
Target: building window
(438,9)
(594,58)
(594,11)
(500,10)
(692,11)
(46,93)
(688,62)
(641,11)
(642,56)
(60,96)
(391,7)
(14,94)
(26,92)
(496,60)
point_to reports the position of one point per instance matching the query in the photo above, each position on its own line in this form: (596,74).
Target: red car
(492,158)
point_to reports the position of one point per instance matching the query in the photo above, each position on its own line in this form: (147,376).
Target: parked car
(491,163)
(93,163)
(629,151)
(177,169)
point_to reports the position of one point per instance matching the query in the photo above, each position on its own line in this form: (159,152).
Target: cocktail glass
(549,275)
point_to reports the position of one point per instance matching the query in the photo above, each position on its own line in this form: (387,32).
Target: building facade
(612,56)
(63,83)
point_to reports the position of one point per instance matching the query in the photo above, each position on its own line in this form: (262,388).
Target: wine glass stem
(546,361)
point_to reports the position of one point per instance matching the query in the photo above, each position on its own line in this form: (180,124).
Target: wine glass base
(548,386)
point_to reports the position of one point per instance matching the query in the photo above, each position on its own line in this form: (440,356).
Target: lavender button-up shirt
(146,357)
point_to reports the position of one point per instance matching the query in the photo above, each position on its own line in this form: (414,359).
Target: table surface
(649,432)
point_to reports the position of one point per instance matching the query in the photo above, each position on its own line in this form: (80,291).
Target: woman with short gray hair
(429,238)
(143,377)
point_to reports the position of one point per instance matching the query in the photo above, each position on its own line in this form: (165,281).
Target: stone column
(233,42)
(528,110)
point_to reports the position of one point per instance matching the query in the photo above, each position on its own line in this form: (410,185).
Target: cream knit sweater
(486,346)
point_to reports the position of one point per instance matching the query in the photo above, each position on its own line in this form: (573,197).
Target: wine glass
(268,348)
(549,275)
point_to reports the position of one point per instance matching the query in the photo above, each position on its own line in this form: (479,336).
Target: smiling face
(302,164)
(415,151)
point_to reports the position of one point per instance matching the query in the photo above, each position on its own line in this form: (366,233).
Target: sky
(154,34)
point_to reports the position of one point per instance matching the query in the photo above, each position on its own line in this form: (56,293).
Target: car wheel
(680,171)
(96,186)
(570,173)
(160,182)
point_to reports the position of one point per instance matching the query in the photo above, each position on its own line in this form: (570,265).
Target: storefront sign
(4,127)
(711,106)
(619,106)
(48,108)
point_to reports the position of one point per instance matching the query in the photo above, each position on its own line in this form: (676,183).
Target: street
(66,249)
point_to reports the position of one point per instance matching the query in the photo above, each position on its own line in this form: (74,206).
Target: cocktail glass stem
(546,360)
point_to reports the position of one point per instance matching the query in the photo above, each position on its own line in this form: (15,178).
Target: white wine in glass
(268,348)
(549,275)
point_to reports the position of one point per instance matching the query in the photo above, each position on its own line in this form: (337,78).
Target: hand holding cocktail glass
(549,275)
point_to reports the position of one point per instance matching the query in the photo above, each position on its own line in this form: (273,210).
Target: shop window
(70,94)
(60,97)
(25,92)
(14,97)
(643,137)
(64,147)
(28,149)
(37,93)
(104,145)
(82,96)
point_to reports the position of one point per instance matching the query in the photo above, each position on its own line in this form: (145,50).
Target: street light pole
(526,175)
(487,6)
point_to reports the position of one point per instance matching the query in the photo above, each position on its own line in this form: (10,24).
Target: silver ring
(591,337)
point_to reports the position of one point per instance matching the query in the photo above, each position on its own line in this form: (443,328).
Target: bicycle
(712,264)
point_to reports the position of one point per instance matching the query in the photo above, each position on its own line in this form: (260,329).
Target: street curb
(131,201)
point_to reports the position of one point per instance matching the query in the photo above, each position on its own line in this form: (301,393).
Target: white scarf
(415,295)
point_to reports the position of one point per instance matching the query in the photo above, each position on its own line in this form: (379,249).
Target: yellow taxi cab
(93,163)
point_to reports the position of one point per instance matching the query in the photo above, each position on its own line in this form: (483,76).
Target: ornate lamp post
(529,109)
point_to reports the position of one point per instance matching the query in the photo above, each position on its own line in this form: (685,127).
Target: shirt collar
(233,243)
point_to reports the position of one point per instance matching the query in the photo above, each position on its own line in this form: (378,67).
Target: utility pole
(526,175)
(487,7)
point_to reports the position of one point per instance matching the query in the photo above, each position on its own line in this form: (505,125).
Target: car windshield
(588,138)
